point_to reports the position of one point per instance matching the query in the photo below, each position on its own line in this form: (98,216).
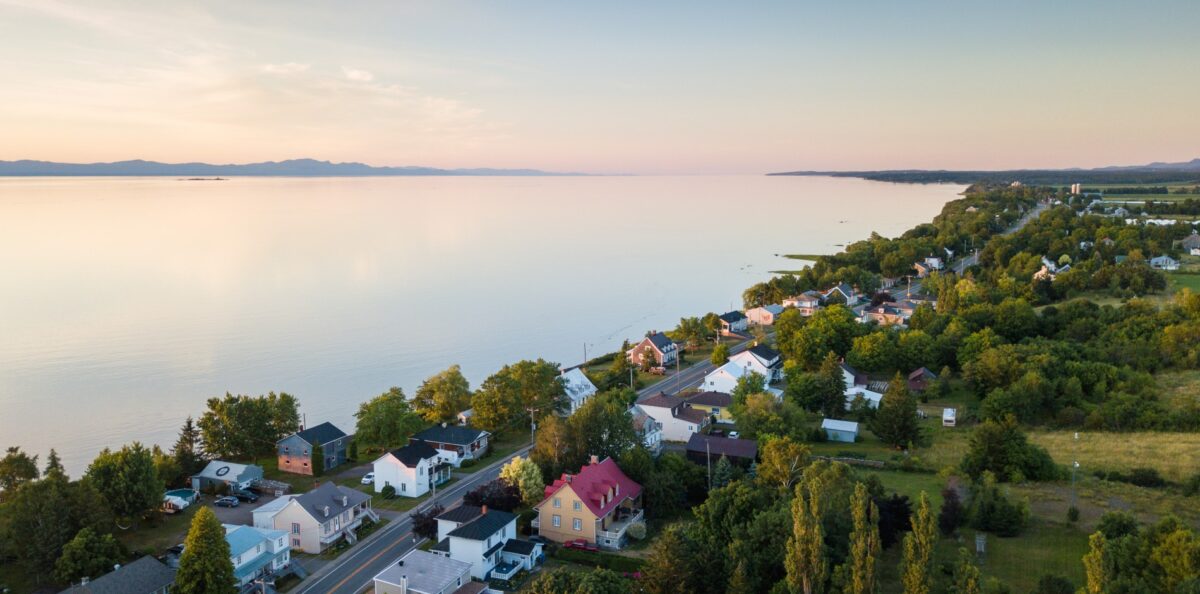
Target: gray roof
(323,433)
(711,399)
(461,514)
(837,425)
(723,446)
(330,495)
(733,316)
(520,547)
(660,341)
(427,573)
(443,546)
(143,576)
(455,434)
(412,454)
(483,525)
(764,352)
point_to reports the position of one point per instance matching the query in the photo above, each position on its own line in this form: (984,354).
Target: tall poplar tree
(205,566)
(966,575)
(916,568)
(864,542)
(1095,564)
(805,557)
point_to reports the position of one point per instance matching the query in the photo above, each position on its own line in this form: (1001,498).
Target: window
(576,505)
(404,487)
(295,528)
(556,521)
(557,502)
(295,543)
(577,524)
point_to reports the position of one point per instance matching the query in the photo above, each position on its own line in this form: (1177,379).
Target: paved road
(693,376)
(352,572)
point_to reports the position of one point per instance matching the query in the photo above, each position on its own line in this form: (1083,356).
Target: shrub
(1072,515)
(388,492)
(468,463)
(951,516)
(1192,486)
(636,531)
(425,523)
(602,560)
(1054,584)
(1114,525)
(993,511)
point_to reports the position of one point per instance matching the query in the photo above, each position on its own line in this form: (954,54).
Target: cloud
(357,75)
(285,68)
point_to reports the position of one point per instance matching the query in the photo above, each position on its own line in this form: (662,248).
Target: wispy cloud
(285,68)
(357,75)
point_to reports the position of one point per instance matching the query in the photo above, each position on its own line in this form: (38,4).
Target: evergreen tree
(53,464)
(722,473)
(318,458)
(832,395)
(916,569)
(896,422)
(951,515)
(667,569)
(966,575)
(187,448)
(805,558)
(89,555)
(205,566)
(864,542)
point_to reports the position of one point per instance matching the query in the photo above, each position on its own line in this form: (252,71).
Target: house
(147,575)
(922,270)
(223,476)
(807,302)
(1191,242)
(765,315)
(1120,211)
(257,553)
(714,404)
(578,387)
(487,539)
(319,518)
(949,417)
(734,322)
(464,417)
(919,379)
(885,314)
(703,449)
(762,360)
(835,430)
(1164,263)
(677,419)
(455,443)
(663,349)
(725,378)
(841,292)
(648,430)
(934,263)
(1108,242)
(422,572)
(598,505)
(851,377)
(1195,251)
(872,397)
(295,450)
(412,470)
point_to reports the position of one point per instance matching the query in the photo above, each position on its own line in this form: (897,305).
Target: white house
(733,322)
(851,377)
(319,518)
(226,475)
(649,430)
(422,572)
(844,291)
(455,443)
(579,388)
(725,378)
(763,360)
(256,552)
(487,539)
(873,398)
(411,470)
(677,419)
(1164,263)
(808,302)
(765,315)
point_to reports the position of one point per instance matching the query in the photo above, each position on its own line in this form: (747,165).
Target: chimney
(326,510)
(595,459)
(483,510)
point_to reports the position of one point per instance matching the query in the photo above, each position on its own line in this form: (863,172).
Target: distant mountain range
(1152,173)
(291,167)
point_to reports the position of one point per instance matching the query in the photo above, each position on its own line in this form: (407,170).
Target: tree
(555,581)
(1000,447)
(553,448)
(167,467)
(750,383)
(519,389)
(1096,564)
(896,421)
(88,555)
(386,421)
(805,559)
(425,522)
(873,352)
(782,462)
(16,468)
(44,515)
(723,472)
(864,542)
(318,458)
(128,480)
(523,474)
(992,511)
(823,391)
(966,575)
(917,565)
(691,331)
(667,569)
(187,449)
(53,464)
(720,354)
(205,566)
(637,464)
(441,397)
(603,427)
(244,427)
(951,515)
(895,517)
(496,494)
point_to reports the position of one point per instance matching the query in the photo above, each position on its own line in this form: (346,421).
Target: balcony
(616,532)
(505,570)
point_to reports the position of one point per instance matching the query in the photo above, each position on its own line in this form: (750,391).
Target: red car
(582,545)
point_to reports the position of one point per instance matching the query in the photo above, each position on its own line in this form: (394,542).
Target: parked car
(582,545)
(368,478)
(246,496)
(227,501)
(734,435)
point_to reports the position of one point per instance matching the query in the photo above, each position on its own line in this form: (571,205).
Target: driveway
(242,514)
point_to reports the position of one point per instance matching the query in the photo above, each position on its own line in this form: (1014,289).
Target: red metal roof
(592,484)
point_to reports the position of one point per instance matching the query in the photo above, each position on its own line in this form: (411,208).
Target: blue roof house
(257,552)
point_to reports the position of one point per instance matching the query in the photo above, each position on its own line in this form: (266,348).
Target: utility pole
(532,423)
(708,457)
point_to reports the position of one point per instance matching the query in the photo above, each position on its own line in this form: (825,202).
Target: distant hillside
(1153,173)
(292,167)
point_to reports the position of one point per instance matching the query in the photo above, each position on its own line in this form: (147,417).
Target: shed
(949,417)
(220,474)
(835,430)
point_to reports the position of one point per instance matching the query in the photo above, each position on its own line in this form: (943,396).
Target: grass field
(1179,389)
(155,538)
(1174,455)
(1182,280)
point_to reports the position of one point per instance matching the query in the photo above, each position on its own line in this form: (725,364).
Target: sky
(689,87)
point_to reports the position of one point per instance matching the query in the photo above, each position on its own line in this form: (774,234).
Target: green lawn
(502,445)
(154,538)
(398,503)
(1183,280)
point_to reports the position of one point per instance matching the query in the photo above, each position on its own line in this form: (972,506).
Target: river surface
(126,302)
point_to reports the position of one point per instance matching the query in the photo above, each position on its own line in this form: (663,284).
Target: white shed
(949,417)
(836,430)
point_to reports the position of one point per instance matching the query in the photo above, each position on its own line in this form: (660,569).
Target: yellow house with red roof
(596,505)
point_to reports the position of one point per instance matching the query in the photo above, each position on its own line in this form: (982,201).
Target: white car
(369,478)
(734,435)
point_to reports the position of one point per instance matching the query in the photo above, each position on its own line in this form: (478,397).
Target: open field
(1174,455)
(1180,389)
(1183,280)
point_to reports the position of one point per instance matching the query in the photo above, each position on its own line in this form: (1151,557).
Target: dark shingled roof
(461,514)
(442,546)
(330,494)
(733,316)
(143,576)
(660,341)
(711,399)
(723,446)
(662,400)
(520,547)
(484,526)
(323,433)
(492,551)
(454,434)
(412,454)
(764,352)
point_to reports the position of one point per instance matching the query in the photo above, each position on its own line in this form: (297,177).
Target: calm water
(125,303)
